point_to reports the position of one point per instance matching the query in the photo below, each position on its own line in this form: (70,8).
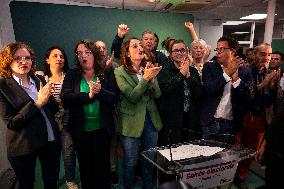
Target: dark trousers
(274,166)
(68,153)
(24,166)
(93,157)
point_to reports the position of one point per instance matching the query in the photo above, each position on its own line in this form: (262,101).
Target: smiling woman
(27,109)
(139,88)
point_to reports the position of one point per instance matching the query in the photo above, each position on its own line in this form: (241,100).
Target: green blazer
(135,97)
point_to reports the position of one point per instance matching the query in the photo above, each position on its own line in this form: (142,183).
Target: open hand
(110,60)
(122,30)
(150,72)
(43,94)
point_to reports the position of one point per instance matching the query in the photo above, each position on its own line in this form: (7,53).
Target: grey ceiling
(202,9)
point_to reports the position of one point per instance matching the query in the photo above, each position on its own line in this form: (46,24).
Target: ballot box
(201,164)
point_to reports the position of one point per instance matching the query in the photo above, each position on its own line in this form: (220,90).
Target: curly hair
(99,67)
(125,60)
(47,66)
(6,58)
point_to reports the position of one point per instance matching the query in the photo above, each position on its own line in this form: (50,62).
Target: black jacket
(274,135)
(75,100)
(26,125)
(171,102)
(213,85)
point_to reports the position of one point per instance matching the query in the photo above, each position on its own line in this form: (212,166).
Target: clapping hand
(95,88)
(275,77)
(233,66)
(122,30)
(151,71)
(110,60)
(207,53)
(267,80)
(184,67)
(43,94)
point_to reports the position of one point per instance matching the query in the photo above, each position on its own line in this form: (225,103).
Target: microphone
(172,166)
(170,144)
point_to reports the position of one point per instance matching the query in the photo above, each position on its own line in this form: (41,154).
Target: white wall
(210,31)
(6,26)
(6,36)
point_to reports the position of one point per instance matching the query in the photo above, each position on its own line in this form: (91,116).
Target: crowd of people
(146,99)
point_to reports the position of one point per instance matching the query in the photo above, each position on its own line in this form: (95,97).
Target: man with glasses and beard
(227,86)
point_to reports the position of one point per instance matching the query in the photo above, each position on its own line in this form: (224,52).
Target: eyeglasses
(22,58)
(182,50)
(86,53)
(221,50)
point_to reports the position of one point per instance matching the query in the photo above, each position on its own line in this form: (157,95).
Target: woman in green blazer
(139,120)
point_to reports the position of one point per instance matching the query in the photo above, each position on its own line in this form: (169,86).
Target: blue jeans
(147,140)
(219,131)
(69,156)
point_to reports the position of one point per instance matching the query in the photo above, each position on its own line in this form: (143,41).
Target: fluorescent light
(240,33)
(244,42)
(234,23)
(255,17)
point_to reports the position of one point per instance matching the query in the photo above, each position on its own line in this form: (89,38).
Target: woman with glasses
(181,89)
(88,92)
(27,108)
(139,120)
(55,67)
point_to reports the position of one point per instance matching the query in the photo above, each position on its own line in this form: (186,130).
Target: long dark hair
(47,66)
(98,66)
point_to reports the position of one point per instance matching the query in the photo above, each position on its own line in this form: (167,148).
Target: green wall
(278,45)
(43,25)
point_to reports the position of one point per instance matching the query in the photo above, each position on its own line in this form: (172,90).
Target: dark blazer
(171,102)
(75,100)
(274,134)
(26,125)
(213,85)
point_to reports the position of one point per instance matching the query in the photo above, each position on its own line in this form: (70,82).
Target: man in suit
(260,110)
(227,87)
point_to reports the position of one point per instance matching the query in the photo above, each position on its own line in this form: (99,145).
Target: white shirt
(140,74)
(224,109)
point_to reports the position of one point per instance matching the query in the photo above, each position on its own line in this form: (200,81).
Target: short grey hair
(201,41)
